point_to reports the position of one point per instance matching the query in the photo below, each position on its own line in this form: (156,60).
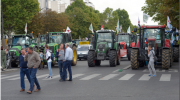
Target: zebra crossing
(122,77)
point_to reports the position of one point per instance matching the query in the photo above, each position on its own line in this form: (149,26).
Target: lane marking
(90,77)
(10,76)
(53,77)
(145,77)
(108,76)
(76,75)
(146,70)
(157,70)
(173,70)
(127,77)
(127,67)
(116,71)
(165,77)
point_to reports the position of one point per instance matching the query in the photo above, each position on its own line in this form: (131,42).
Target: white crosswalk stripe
(165,77)
(145,77)
(41,76)
(54,77)
(157,70)
(14,78)
(127,77)
(108,76)
(90,77)
(116,71)
(76,75)
(10,76)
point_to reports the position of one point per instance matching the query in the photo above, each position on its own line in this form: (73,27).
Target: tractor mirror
(173,29)
(135,29)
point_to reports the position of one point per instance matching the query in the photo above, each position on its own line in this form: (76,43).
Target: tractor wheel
(74,62)
(90,59)
(112,58)
(176,54)
(97,62)
(118,57)
(129,54)
(134,59)
(141,63)
(165,59)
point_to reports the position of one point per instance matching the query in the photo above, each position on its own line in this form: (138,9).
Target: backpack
(52,56)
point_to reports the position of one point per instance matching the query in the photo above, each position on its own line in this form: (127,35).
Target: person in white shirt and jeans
(49,61)
(67,63)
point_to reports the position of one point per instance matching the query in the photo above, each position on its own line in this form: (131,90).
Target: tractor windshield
(33,41)
(42,39)
(152,33)
(123,38)
(103,37)
(56,39)
(20,40)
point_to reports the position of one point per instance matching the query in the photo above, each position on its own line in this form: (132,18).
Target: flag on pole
(26,28)
(91,28)
(102,28)
(68,30)
(168,23)
(120,28)
(145,17)
(129,30)
(117,26)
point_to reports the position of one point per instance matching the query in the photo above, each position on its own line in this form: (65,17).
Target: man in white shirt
(67,63)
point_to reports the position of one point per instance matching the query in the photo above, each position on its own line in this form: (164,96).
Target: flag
(68,30)
(138,21)
(129,30)
(146,41)
(117,26)
(145,17)
(91,28)
(26,28)
(120,28)
(168,23)
(102,28)
(172,38)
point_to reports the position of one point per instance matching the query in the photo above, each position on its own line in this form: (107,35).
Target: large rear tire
(97,62)
(74,62)
(90,59)
(134,59)
(176,54)
(119,57)
(165,59)
(112,58)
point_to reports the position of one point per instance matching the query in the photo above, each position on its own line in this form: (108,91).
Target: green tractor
(16,43)
(54,39)
(104,47)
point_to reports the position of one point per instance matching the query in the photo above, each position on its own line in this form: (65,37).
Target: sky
(133,7)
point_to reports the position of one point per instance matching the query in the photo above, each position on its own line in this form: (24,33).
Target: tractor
(155,36)
(17,42)
(54,39)
(126,41)
(104,47)
(41,41)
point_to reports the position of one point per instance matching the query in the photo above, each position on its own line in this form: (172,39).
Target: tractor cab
(154,36)
(42,41)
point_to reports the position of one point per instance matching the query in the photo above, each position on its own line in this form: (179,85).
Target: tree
(160,9)
(16,13)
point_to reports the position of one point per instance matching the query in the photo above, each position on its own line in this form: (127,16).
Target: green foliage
(16,13)
(160,9)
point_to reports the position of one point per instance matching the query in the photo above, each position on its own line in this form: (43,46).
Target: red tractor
(126,41)
(155,36)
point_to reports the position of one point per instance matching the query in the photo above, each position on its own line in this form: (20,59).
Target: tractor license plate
(100,57)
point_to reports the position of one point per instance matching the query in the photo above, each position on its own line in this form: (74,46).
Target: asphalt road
(97,83)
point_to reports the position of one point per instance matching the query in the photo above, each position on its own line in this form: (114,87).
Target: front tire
(165,59)
(176,54)
(134,59)
(112,58)
(90,59)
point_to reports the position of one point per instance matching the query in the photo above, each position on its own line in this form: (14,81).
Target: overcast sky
(133,7)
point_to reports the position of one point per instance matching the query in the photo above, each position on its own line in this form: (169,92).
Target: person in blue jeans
(49,61)
(60,57)
(23,70)
(34,61)
(67,63)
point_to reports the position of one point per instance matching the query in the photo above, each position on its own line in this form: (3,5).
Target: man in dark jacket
(23,70)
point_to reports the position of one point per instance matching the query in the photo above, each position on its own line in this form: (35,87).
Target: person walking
(67,63)
(151,55)
(23,70)
(48,58)
(33,62)
(60,56)
(3,58)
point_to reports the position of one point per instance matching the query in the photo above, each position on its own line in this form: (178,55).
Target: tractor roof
(153,26)
(124,34)
(57,32)
(104,31)
(21,35)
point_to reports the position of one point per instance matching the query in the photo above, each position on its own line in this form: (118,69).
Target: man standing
(23,69)
(60,56)
(151,55)
(67,63)
(33,63)
(3,58)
